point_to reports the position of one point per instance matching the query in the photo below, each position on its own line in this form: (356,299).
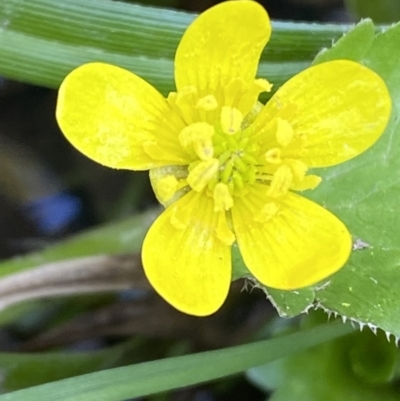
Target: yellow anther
(268,211)
(204,149)
(202,173)
(299,169)
(165,187)
(262,85)
(309,182)
(186,93)
(273,156)
(222,197)
(195,132)
(284,132)
(207,103)
(198,136)
(183,97)
(231,120)
(281,182)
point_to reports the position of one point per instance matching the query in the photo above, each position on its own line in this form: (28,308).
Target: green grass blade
(135,30)
(42,40)
(162,375)
(50,61)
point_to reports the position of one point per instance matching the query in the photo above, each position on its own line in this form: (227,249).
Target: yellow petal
(223,43)
(341,109)
(297,246)
(186,263)
(117,119)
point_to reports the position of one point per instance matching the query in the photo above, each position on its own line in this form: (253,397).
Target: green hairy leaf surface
(365,194)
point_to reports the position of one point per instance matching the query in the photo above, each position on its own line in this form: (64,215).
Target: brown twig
(101,273)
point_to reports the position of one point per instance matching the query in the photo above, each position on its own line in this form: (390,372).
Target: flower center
(226,160)
(229,156)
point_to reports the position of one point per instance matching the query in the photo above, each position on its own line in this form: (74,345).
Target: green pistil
(237,166)
(224,157)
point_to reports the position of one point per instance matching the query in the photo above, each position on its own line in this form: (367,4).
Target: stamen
(309,182)
(207,103)
(211,184)
(222,198)
(183,102)
(262,85)
(281,182)
(249,96)
(231,120)
(273,156)
(299,169)
(264,176)
(202,173)
(198,136)
(186,93)
(250,175)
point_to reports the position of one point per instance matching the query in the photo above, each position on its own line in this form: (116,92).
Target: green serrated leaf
(364,193)
(361,38)
(287,303)
(358,367)
(291,303)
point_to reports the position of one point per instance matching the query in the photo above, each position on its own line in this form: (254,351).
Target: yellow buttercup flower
(226,167)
